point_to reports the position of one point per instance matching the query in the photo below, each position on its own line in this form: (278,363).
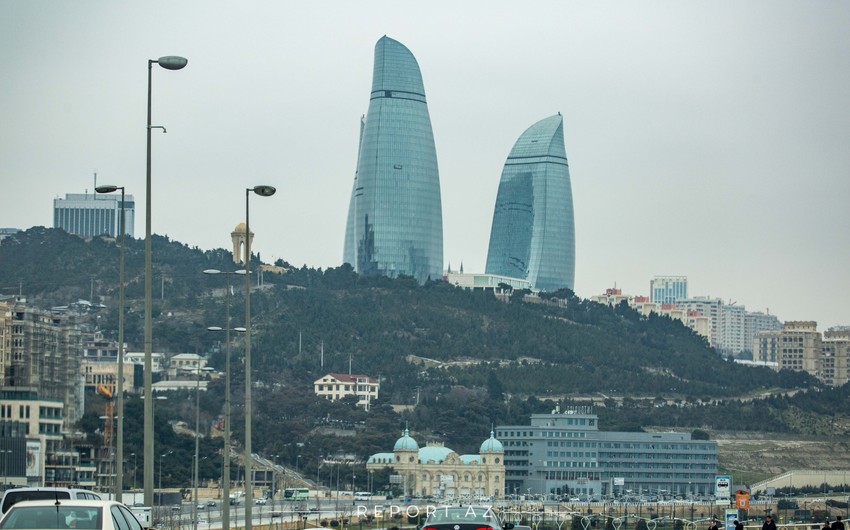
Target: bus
(296,494)
(362,496)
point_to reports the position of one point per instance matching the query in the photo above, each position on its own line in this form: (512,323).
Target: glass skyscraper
(395,223)
(533,233)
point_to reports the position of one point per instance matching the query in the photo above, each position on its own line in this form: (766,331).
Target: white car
(63,514)
(261,500)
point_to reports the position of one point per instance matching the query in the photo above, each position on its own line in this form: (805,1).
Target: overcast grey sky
(707,139)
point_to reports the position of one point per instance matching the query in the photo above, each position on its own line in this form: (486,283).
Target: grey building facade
(395,223)
(566,453)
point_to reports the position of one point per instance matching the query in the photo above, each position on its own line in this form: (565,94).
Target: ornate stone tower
(239,243)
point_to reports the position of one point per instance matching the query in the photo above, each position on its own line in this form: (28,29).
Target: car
(201,506)
(176,507)
(63,514)
(261,500)
(464,518)
(211,503)
(16,495)
(277,514)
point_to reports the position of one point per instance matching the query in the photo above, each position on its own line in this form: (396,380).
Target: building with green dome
(435,470)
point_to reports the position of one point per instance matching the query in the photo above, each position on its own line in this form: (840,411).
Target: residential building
(92,214)
(835,357)
(643,305)
(395,223)
(712,309)
(800,347)
(668,289)
(338,386)
(35,428)
(567,453)
(185,364)
(533,231)
(435,470)
(44,355)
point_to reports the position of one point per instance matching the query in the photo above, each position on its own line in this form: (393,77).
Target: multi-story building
(835,357)
(710,308)
(436,470)
(642,304)
(6,232)
(668,289)
(39,432)
(800,347)
(766,347)
(44,355)
(92,214)
(395,219)
(533,231)
(338,386)
(567,453)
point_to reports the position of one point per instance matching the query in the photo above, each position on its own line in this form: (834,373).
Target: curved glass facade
(395,223)
(533,233)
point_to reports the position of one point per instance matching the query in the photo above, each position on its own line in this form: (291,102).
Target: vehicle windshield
(467,514)
(52,517)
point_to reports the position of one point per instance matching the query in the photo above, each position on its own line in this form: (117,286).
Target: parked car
(260,500)
(16,495)
(211,503)
(69,513)
(177,508)
(464,518)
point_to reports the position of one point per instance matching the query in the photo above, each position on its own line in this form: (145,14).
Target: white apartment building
(92,214)
(835,357)
(338,386)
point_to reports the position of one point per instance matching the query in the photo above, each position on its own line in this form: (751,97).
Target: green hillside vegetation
(465,359)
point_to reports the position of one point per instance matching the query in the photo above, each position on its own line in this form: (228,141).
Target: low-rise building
(566,453)
(438,471)
(338,386)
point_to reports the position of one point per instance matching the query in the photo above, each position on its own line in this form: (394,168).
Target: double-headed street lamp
(169,63)
(225,491)
(119,441)
(263,191)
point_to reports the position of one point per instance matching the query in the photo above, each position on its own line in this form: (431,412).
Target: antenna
(349,363)
(322,354)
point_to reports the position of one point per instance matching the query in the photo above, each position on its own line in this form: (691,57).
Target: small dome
(406,443)
(492,444)
(436,453)
(240,228)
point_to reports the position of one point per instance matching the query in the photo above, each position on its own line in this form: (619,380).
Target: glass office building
(395,223)
(533,233)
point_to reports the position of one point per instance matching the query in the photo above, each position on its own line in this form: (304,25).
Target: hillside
(467,360)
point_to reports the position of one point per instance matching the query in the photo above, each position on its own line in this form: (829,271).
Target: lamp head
(264,191)
(109,188)
(172,62)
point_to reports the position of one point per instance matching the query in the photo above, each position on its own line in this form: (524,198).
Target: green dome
(406,443)
(492,445)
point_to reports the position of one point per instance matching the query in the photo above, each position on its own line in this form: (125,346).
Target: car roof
(66,502)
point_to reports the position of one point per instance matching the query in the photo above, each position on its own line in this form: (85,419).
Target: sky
(707,139)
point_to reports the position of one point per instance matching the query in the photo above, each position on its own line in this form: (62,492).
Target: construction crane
(108,414)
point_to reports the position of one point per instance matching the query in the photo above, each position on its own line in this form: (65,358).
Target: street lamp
(6,453)
(169,63)
(135,472)
(160,474)
(119,440)
(225,490)
(263,191)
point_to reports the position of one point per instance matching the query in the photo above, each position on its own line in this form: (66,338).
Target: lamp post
(225,490)
(119,439)
(160,474)
(6,453)
(134,474)
(263,191)
(197,429)
(169,63)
